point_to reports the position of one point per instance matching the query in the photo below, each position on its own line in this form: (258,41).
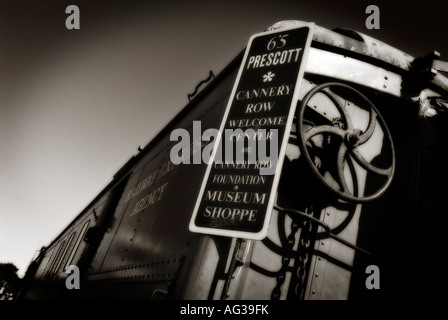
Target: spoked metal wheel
(345,140)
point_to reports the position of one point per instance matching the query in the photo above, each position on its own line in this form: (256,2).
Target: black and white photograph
(232,157)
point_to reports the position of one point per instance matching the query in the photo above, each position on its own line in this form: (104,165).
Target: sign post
(238,191)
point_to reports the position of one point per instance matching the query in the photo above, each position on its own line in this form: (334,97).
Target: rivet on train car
(322,243)
(313,292)
(316,275)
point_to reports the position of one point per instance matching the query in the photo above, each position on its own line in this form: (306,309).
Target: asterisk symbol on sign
(268,76)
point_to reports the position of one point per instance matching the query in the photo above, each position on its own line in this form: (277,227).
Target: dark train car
(359,209)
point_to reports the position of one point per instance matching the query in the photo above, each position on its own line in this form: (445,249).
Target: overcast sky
(76,104)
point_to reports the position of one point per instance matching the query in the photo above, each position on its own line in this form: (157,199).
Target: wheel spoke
(368,166)
(341,159)
(370,128)
(341,109)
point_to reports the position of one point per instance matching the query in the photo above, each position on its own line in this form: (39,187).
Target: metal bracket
(422,71)
(439,65)
(195,92)
(240,257)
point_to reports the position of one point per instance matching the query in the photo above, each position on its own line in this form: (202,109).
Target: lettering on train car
(154,195)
